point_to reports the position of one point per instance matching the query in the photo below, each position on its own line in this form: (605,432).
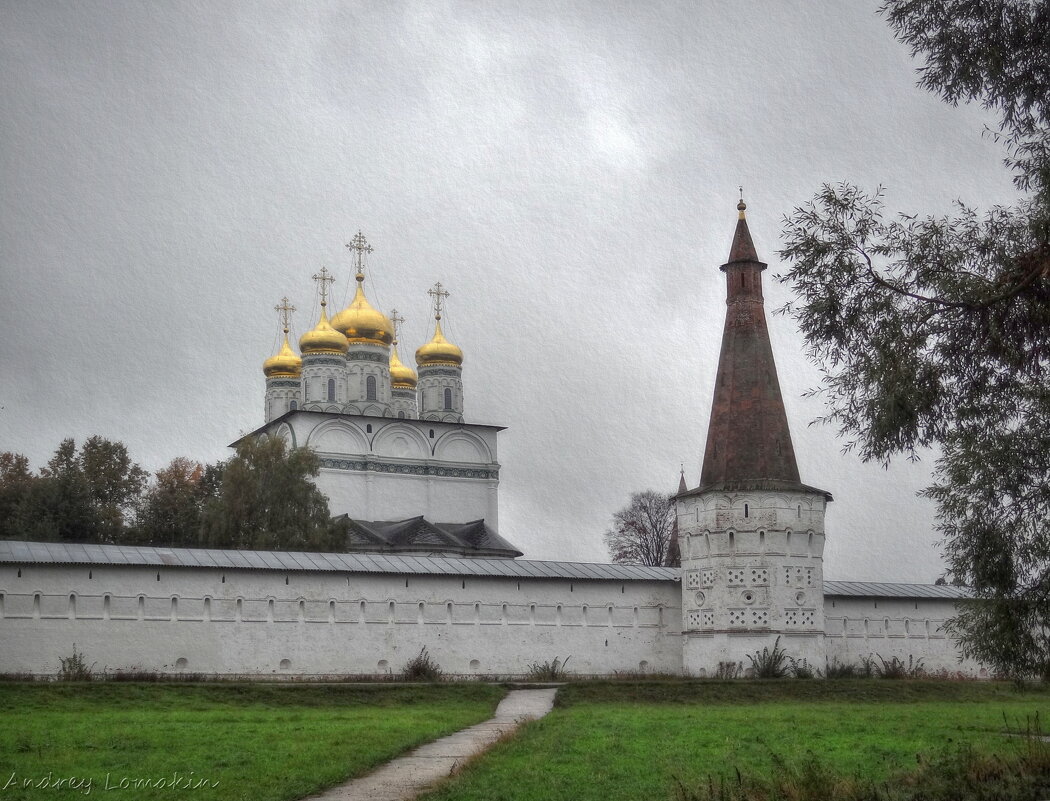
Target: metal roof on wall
(71,553)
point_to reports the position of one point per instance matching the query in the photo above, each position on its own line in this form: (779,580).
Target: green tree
(645,532)
(933,331)
(267,501)
(173,505)
(85,495)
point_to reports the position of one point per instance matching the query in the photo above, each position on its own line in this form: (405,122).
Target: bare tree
(645,531)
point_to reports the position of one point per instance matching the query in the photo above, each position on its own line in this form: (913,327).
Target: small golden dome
(361,323)
(285,364)
(401,375)
(439,350)
(323,338)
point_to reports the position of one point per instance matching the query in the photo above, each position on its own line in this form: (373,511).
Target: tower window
(746,511)
(370,388)
(448,398)
(400,415)
(293,406)
(331,389)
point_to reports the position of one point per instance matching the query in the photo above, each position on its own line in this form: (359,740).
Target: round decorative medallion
(748,597)
(700,598)
(800,597)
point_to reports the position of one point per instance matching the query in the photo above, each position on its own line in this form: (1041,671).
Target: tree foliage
(267,501)
(935,331)
(173,506)
(645,532)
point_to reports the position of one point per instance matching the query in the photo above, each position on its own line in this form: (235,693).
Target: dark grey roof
(67,553)
(417,534)
(70,553)
(872,589)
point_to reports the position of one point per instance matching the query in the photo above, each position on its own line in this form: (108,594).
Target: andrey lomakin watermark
(85,784)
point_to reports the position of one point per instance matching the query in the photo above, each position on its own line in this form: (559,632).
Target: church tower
(369,333)
(282,371)
(402,378)
(440,371)
(324,358)
(752,535)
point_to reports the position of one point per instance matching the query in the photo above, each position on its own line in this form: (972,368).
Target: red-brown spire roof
(748,440)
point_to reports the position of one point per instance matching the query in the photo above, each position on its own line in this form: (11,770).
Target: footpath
(407,776)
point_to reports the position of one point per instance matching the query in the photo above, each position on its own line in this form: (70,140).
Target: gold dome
(401,375)
(439,350)
(323,338)
(361,323)
(285,364)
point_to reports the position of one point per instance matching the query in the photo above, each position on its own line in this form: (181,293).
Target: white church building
(425,565)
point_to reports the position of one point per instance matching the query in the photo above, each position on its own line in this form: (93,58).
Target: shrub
(549,671)
(75,667)
(801,669)
(770,664)
(896,669)
(841,670)
(421,668)
(729,670)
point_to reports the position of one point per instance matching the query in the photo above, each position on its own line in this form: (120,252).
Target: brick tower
(752,535)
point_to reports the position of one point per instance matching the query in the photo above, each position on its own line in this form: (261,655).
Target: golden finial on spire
(323,278)
(438,293)
(286,309)
(359,245)
(396,320)
(741,206)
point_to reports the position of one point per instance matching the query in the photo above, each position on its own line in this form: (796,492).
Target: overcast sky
(568,170)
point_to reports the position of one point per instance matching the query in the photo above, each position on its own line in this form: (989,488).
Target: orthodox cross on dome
(285,308)
(741,206)
(439,294)
(323,279)
(396,320)
(359,245)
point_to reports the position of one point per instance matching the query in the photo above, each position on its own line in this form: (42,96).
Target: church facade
(426,567)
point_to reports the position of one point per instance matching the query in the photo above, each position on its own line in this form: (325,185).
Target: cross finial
(438,293)
(741,206)
(396,320)
(285,308)
(359,245)
(323,279)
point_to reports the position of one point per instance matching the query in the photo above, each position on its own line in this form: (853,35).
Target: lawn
(625,742)
(254,741)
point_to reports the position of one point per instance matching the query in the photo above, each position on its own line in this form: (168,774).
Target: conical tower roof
(748,439)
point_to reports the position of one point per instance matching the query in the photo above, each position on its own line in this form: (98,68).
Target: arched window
(370,388)
(448,398)
(400,415)
(293,406)
(331,389)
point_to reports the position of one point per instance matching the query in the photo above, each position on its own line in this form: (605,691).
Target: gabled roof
(416,534)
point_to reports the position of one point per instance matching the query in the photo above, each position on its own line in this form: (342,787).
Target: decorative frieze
(408,469)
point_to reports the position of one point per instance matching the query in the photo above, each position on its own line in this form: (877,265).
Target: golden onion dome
(285,364)
(361,323)
(401,375)
(322,338)
(439,350)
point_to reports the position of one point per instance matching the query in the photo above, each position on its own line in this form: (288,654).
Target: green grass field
(259,742)
(627,742)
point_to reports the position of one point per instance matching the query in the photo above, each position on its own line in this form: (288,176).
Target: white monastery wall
(269,622)
(904,628)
